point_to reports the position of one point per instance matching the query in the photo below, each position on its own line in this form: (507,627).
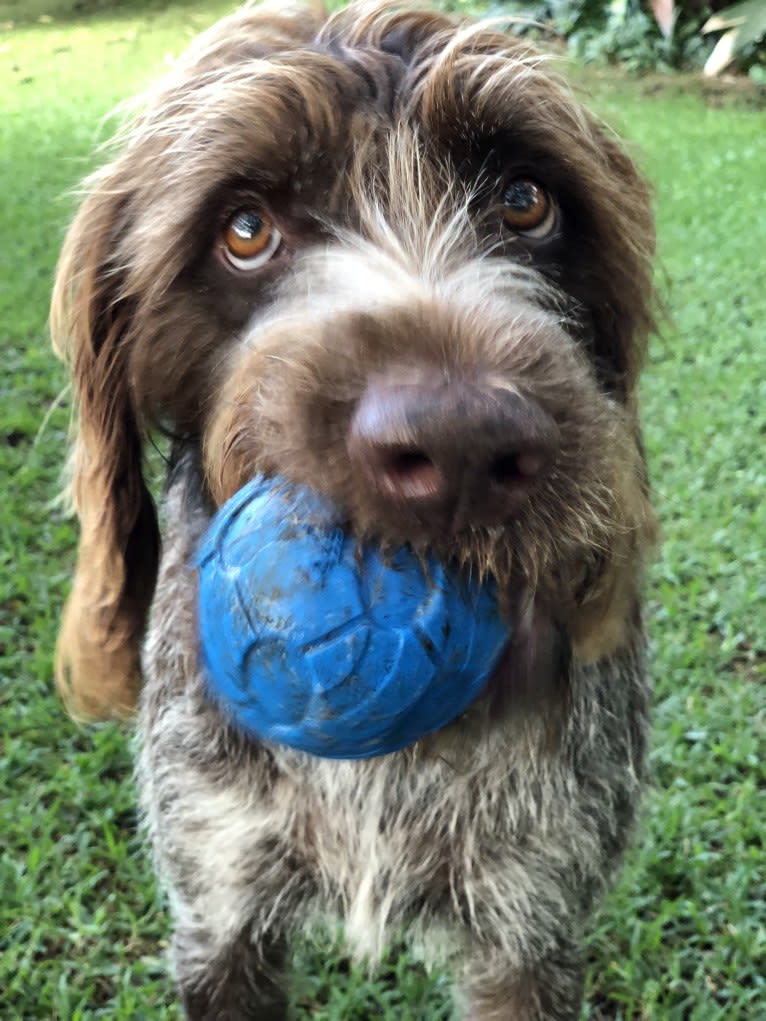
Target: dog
(387,254)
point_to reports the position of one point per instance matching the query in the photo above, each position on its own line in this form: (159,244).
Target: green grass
(83,928)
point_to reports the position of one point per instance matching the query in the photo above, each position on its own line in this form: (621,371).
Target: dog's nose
(455,451)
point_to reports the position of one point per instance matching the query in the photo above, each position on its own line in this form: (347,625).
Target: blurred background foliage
(641,35)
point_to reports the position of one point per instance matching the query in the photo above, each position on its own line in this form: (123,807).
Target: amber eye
(249,239)
(528,209)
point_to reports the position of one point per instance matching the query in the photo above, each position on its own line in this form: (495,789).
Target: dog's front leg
(549,989)
(240,980)
(208,796)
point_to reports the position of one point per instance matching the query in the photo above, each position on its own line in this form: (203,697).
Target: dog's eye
(528,209)
(249,239)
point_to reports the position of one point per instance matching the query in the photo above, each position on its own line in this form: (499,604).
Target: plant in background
(633,37)
(632,40)
(572,16)
(745,25)
(660,35)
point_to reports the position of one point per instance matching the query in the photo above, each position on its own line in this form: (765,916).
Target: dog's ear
(98,654)
(621,289)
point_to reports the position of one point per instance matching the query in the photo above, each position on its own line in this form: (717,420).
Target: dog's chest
(399,841)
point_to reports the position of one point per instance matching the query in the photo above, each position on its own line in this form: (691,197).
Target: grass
(683,936)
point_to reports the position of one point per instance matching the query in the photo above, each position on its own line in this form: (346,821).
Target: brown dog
(386,254)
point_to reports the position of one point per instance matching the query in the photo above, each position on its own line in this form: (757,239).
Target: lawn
(683,936)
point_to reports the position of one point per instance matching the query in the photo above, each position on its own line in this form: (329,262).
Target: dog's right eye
(249,239)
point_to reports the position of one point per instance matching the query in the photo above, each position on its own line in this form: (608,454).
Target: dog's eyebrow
(383,73)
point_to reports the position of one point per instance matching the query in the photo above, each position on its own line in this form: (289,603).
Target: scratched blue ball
(313,641)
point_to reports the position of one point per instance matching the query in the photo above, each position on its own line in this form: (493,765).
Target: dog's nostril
(410,474)
(509,469)
(504,469)
(409,462)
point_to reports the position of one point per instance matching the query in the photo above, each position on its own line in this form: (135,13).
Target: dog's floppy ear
(620,292)
(98,654)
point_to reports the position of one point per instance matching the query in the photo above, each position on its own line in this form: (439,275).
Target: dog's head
(387,254)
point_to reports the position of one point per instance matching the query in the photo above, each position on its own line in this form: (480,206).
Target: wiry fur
(379,140)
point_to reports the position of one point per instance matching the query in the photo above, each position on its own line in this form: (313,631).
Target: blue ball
(313,640)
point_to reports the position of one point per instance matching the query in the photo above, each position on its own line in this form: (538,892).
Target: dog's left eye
(528,209)
(249,239)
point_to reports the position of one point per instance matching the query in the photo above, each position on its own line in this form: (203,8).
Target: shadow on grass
(25,12)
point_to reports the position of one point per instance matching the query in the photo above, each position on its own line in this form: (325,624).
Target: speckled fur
(494,849)
(380,141)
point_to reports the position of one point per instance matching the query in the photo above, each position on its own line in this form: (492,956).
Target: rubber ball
(312,640)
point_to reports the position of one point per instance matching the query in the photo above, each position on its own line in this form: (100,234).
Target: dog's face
(385,255)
